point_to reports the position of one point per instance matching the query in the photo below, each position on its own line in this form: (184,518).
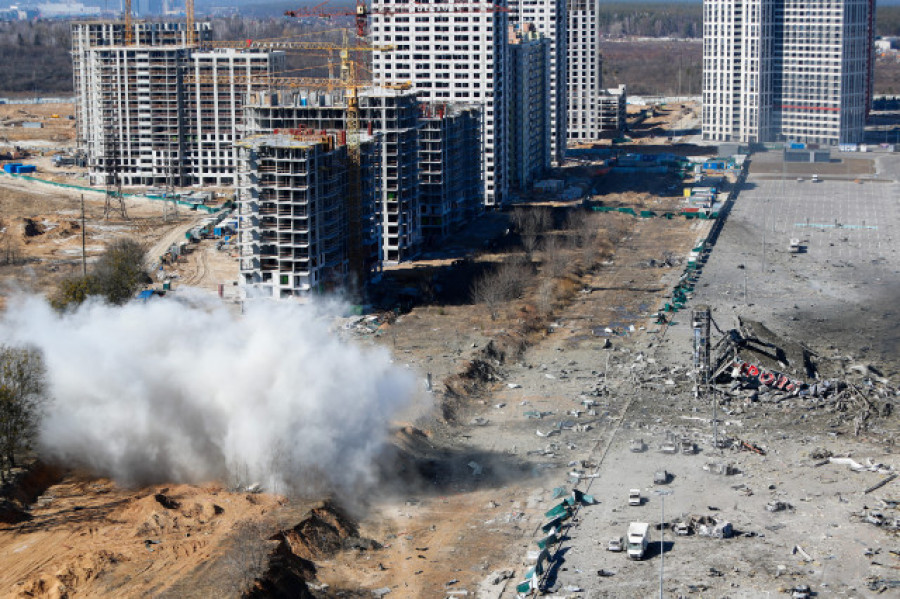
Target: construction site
(663,372)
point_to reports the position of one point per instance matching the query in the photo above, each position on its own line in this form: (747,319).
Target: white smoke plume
(167,391)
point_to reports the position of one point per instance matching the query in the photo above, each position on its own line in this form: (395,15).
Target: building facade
(391,116)
(450,182)
(160,111)
(584,71)
(549,18)
(530,129)
(777,70)
(451,52)
(293,229)
(215,90)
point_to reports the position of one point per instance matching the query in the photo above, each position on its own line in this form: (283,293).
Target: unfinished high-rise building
(450,179)
(548,17)
(529,109)
(392,116)
(157,109)
(611,110)
(293,228)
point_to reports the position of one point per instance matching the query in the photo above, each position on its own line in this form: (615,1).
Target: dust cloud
(172,391)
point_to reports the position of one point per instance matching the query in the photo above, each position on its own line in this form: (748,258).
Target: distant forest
(36,55)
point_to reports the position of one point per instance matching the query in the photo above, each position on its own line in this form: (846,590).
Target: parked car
(634,497)
(617,544)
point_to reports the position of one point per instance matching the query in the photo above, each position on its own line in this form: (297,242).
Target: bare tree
(502,284)
(488,290)
(22,396)
(555,258)
(530,223)
(247,558)
(545,297)
(583,227)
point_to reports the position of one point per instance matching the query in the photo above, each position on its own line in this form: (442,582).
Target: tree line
(37,54)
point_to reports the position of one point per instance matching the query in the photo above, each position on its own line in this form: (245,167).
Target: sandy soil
(41,230)
(556,405)
(57,126)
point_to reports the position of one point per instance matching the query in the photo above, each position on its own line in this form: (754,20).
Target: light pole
(662,533)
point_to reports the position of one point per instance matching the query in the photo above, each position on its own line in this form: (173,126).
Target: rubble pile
(750,370)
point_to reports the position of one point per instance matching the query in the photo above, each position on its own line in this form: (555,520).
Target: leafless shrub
(530,223)
(247,558)
(504,283)
(555,260)
(545,297)
(582,228)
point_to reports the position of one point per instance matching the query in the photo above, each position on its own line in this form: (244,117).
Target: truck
(638,539)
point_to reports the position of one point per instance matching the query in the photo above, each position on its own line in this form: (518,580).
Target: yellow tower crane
(129,33)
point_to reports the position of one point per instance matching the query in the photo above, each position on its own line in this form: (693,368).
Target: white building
(529,106)
(160,110)
(219,84)
(392,117)
(293,227)
(549,18)
(787,70)
(584,71)
(451,52)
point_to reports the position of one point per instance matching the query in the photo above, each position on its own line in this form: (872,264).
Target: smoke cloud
(168,391)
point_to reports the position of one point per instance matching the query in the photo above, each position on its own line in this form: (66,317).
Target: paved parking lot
(849,271)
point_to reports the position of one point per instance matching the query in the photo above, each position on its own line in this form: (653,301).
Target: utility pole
(662,534)
(83,256)
(763,267)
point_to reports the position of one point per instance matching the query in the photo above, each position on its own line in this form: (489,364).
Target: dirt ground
(57,124)
(41,232)
(529,407)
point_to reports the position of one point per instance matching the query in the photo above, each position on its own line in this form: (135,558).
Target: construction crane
(129,27)
(189,21)
(293,45)
(360,13)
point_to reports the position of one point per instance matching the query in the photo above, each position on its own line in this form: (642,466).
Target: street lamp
(662,533)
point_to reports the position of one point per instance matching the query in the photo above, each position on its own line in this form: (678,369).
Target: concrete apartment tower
(549,18)
(451,52)
(160,111)
(584,71)
(529,106)
(293,210)
(777,70)
(391,116)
